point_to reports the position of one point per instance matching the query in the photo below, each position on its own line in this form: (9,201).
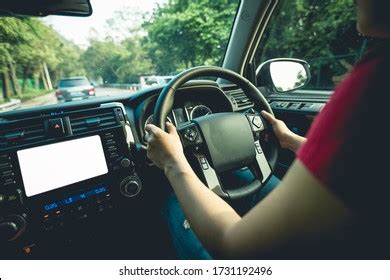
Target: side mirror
(283,74)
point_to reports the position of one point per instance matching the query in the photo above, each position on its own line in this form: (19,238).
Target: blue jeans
(187,245)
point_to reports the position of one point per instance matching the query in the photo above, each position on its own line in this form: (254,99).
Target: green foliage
(180,34)
(307,28)
(184,33)
(27,43)
(319,32)
(115,62)
(177,35)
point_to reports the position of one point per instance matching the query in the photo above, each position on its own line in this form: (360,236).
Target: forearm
(209,215)
(295,142)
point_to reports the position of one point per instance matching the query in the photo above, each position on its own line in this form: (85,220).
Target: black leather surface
(229,140)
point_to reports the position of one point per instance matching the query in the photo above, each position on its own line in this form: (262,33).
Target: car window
(118,48)
(74,83)
(322,32)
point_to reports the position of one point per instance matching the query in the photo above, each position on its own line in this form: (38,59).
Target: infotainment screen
(49,167)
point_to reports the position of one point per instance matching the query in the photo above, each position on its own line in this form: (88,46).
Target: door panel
(298,112)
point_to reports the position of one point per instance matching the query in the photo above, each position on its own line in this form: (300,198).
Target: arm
(283,217)
(287,138)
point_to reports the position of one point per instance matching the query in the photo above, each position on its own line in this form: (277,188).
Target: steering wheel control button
(190,134)
(205,166)
(55,127)
(203,163)
(256,123)
(258,148)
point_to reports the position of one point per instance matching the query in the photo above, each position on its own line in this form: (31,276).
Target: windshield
(123,47)
(322,32)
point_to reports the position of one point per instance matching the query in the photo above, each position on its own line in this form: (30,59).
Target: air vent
(239,99)
(20,132)
(93,120)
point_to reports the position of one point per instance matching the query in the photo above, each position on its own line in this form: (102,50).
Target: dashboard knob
(125,162)
(11,227)
(130,186)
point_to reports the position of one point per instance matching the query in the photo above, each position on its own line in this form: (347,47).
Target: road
(51,99)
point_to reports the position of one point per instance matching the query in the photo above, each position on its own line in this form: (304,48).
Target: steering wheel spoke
(210,176)
(261,163)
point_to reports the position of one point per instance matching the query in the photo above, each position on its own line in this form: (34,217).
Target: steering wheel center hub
(229,139)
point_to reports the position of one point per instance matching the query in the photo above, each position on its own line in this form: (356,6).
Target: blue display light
(73,199)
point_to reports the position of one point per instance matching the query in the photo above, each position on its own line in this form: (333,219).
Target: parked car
(74,88)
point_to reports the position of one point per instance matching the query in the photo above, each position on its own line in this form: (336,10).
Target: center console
(61,169)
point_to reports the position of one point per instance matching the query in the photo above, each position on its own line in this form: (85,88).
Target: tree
(314,31)
(32,50)
(184,33)
(12,32)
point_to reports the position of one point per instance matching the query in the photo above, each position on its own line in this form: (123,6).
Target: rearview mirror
(81,8)
(283,74)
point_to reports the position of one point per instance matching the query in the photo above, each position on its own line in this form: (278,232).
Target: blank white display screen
(53,166)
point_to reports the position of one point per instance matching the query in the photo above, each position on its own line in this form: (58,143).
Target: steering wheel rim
(164,106)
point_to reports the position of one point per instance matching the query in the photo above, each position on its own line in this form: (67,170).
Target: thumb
(171,129)
(269,117)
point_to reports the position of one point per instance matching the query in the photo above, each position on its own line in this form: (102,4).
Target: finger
(171,129)
(269,117)
(152,129)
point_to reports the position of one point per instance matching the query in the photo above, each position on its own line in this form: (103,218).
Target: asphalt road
(51,99)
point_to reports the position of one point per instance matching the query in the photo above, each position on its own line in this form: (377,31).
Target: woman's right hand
(287,138)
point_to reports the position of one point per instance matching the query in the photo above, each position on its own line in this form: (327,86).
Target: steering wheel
(224,142)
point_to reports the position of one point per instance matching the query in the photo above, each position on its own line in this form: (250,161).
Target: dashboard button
(130,186)
(125,162)
(56,127)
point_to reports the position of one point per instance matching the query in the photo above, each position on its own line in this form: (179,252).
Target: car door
(324,34)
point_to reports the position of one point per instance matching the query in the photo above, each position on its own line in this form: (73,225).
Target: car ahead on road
(74,88)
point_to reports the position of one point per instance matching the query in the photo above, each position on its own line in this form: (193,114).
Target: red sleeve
(330,133)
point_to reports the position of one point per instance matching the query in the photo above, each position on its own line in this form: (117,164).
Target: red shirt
(348,149)
(329,132)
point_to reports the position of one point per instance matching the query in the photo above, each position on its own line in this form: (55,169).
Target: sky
(79,30)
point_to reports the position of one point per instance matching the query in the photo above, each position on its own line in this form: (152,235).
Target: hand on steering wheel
(219,142)
(164,149)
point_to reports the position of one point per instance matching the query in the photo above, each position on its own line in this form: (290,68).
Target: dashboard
(75,180)
(189,104)
(181,115)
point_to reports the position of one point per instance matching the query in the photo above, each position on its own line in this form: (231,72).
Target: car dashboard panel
(75,181)
(60,168)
